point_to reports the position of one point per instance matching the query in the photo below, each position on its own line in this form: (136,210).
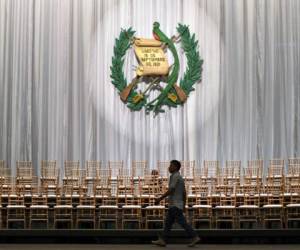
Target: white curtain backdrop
(57,100)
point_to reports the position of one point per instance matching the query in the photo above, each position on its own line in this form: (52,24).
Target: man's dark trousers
(176,214)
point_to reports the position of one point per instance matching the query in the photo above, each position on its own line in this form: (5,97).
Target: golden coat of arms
(154,68)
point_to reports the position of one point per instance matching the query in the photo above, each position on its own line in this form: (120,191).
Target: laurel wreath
(192,74)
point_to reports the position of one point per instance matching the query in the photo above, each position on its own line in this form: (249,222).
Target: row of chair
(210,170)
(215,195)
(141,168)
(62,211)
(210,177)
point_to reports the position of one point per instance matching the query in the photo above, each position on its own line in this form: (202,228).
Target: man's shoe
(194,241)
(159,242)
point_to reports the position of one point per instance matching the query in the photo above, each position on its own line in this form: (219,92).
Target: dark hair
(176,163)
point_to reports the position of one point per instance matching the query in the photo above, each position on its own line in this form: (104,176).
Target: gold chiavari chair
(106,196)
(273,211)
(63,211)
(125,190)
(102,189)
(71,179)
(202,209)
(252,181)
(275,182)
(292,182)
(4,187)
(92,171)
(187,171)
(115,167)
(231,174)
(108,208)
(248,214)
(225,190)
(131,206)
(144,190)
(86,211)
(210,176)
(39,210)
(253,195)
(233,178)
(163,171)
(16,210)
(248,195)
(26,182)
(82,185)
(6,181)
(197,187)
(139,170)
(154,213)
(49,178)
(292,197)
(225,212)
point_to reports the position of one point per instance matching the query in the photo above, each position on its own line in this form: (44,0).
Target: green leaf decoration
(193,72)
(118,79)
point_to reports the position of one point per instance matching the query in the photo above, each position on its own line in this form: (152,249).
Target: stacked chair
(154,214)
(49,180)
(200,202)
(114,196)
(274,189)
(108,207)
(250,193)
(292,193)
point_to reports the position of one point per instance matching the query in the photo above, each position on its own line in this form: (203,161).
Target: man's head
(174,166)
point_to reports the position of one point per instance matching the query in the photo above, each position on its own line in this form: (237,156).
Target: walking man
(177,197)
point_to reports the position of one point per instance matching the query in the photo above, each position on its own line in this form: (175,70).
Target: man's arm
(166,194)
(184,199)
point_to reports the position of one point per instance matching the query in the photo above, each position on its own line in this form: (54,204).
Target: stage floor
(119,237)
(144,247)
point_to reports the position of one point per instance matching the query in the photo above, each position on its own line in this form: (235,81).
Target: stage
(225,236)
(145,247)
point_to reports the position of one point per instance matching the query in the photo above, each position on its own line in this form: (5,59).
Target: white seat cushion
(147,196)
(16,206)
(90,178)
(101,196)
(155,207)
(131,206)
(225,207)
(85,206)
(290,194)
(248,206)
(240,195)
(125,195)
(293,205)
(38,206)
(201,206)
(264,195)
(272,206)
(108,206)
(63,206)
